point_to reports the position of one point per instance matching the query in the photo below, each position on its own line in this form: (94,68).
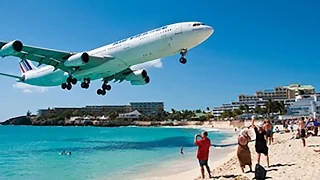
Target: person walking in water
(261,141)
(243,152)
(203,151)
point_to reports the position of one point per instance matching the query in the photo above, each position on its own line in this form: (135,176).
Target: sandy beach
(289,160)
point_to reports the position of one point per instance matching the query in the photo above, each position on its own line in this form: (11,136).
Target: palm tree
(282,108)
(269,107)
(242,108)
(237,112)
(258,110)
(208,109)
(28,113)
(246,108)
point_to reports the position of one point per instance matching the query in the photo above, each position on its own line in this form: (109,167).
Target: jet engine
(78,59)
(141,82)
(138,77)
(11,48)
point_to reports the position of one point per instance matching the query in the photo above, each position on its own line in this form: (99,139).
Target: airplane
(111,62)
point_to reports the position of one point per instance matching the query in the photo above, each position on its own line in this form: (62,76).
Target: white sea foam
(210,129)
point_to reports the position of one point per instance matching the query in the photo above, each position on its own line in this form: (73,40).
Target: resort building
(146,108)
(305,105)
(217,111)
(287,94)
(131,115)
(279,93)
(108,108)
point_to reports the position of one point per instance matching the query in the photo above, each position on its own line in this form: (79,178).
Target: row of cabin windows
(159,29)
(161,32)
(142,38)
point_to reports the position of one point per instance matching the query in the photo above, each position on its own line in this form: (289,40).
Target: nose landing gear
(182,59)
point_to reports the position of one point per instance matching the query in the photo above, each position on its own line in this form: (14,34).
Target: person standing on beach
(261,141)
(243,151)
(268,127)
(291,125)
(302,131)
(203,151)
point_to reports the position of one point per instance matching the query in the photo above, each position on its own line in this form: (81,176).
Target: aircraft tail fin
(26,66)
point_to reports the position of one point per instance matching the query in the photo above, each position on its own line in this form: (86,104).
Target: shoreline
(172,165)
(173,168)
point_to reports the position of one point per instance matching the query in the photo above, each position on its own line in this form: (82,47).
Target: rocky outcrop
(57,121)
(21,120)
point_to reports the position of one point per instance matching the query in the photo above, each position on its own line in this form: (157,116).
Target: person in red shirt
(203,151)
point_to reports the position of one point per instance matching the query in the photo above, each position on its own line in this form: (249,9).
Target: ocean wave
(210,129)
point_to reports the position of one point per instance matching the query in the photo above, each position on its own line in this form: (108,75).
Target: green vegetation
(62,117)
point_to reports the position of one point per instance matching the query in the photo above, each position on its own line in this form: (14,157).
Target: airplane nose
(208,31)
(205,33)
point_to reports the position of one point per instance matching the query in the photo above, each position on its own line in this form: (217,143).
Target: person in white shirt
(291,125)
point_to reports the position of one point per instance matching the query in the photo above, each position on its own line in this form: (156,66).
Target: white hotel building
(305,105)
(287,94)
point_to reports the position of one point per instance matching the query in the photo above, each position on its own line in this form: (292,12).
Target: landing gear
(66,86)
(104,88)
(85,84)
(70,81)
(182,59)
(101,92)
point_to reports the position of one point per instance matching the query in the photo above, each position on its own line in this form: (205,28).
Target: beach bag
(260,173)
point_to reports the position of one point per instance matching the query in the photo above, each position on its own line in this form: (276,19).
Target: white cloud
(155,63)
(26,88)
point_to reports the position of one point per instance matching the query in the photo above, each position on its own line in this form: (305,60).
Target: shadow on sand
(233,176)
(316,145)
(281,165)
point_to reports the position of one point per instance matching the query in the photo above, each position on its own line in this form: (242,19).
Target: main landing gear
(105,87)
(85,84)
(70,81)
(182,59)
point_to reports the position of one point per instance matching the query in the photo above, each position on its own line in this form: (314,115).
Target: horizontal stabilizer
(12,76)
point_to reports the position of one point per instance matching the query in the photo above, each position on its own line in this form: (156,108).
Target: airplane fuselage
(158,43)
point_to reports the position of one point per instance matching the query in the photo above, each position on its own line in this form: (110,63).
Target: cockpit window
(198,24)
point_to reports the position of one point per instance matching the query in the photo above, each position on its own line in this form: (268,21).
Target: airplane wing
(56,58)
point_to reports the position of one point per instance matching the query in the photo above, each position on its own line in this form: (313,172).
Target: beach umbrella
(313,123)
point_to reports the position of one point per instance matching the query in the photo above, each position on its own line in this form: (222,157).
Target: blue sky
(256,45)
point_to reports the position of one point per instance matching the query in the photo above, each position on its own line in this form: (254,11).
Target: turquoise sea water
(32,153)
